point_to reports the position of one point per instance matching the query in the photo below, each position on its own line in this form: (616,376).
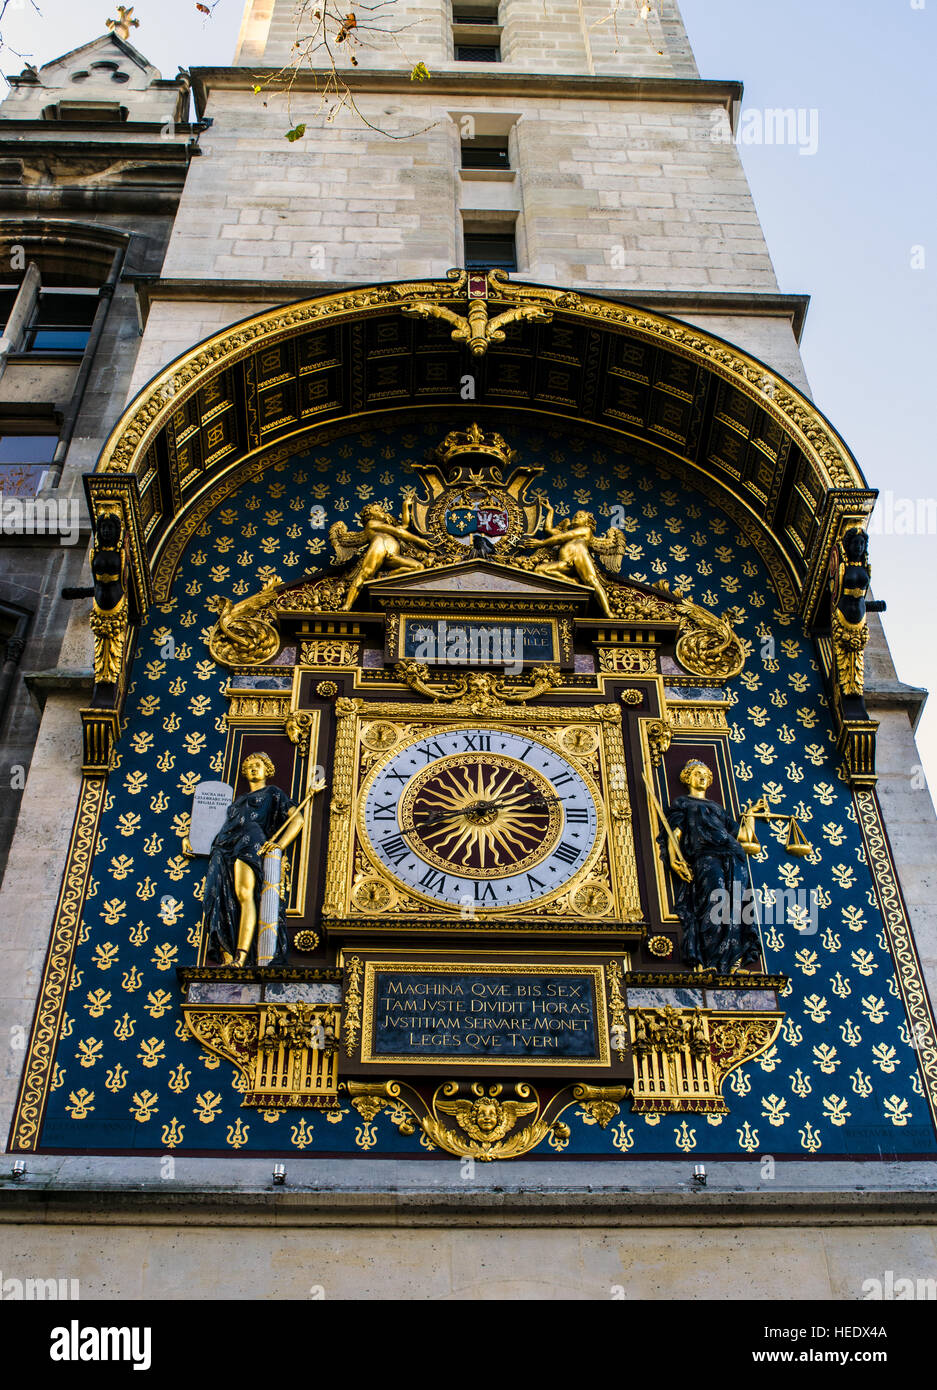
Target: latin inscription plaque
(478,1014)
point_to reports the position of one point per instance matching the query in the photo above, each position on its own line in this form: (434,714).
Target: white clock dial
(480,818)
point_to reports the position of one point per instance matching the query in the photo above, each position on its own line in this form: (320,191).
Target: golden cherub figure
(575,542)
(384,542)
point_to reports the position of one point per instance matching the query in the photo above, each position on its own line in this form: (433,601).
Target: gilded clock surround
(611,865)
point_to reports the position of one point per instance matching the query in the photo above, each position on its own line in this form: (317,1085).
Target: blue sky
(842,224)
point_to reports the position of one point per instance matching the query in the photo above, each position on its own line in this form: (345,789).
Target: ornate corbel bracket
(120,492)
(298,729)
(471,1120)
(476,327)
(287,1054)
(683,1056)
(842,653)
(480,692)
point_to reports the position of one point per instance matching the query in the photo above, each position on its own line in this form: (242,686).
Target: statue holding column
(244,913)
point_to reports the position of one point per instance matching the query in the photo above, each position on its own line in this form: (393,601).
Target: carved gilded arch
(282,380)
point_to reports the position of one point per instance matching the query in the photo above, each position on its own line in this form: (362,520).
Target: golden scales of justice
(796,844)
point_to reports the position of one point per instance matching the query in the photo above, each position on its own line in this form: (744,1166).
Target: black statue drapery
(252,820)
(716,909)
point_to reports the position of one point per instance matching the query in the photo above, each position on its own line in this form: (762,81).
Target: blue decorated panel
(843,1077)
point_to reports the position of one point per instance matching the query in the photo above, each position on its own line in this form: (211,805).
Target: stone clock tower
(489,761)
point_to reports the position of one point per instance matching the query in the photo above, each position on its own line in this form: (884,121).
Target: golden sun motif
(483,815)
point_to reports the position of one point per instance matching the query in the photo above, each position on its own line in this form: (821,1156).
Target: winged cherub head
(486,1114)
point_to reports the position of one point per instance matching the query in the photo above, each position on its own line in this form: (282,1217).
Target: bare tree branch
(4,46)
(326,34)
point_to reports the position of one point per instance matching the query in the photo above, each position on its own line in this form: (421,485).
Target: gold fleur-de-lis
(172,1134)
(301,1134)
(861,1084)
(800,1084)
(237,1134)
(829,940)
(810,1139)
(116,1078)
(80,1106)
(622,1138)
(850,1033)
(792,1032)
(132,980)
(98,1001)
(143,1106)
(179,1078)
(748,1138)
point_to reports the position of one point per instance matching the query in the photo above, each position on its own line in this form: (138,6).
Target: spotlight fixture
(279,1174)
(699,1175)
(18,1171)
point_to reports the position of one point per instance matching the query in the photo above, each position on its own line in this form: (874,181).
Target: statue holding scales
(707,849)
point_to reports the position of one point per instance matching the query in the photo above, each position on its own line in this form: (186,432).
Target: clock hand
(426,820)
(516,802)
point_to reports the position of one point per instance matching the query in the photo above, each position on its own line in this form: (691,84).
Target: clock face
(480,818)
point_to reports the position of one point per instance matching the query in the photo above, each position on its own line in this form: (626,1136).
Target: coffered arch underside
(284,381)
